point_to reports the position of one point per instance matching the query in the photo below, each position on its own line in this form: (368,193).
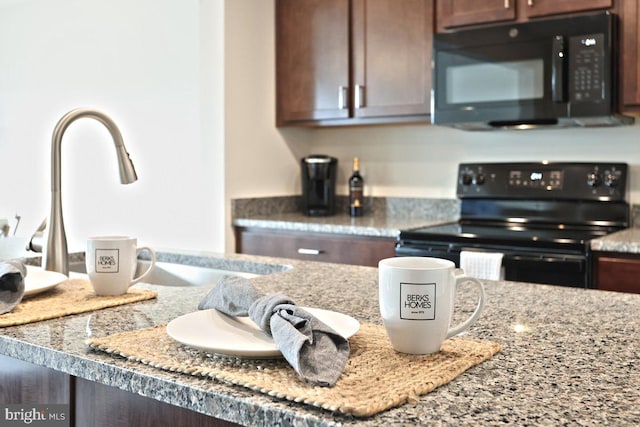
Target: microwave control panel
(545,180)
(586,62)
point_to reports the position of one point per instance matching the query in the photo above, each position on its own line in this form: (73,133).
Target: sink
(14,247)
(171,274)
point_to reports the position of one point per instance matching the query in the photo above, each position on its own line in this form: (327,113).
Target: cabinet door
(458,13)
(534,8)
(312,60)
(392,57)
(615,272)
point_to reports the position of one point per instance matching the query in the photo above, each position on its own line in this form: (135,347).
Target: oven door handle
(544,258)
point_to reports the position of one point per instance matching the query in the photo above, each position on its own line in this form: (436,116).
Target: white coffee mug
(417,297)
(111,263)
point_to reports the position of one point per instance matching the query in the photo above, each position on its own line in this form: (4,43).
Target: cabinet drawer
(617,273)
(341,249)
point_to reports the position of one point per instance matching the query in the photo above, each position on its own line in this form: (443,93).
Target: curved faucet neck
(60,129)
(56,256)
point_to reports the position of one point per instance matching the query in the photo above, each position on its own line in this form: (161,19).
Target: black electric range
(541,216)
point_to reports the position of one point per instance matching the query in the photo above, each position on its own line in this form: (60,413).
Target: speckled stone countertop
(625,241)
(569,356)
(383,216)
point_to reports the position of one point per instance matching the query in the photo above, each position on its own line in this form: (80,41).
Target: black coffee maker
(319,185)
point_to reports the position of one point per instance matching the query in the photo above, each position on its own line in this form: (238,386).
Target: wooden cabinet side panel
(23,382)
(620,274)
(630,53)
(312,59)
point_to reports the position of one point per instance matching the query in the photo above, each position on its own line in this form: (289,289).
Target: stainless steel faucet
(56,255)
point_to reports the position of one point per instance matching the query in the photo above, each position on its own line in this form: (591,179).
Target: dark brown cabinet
(617,272)
(91,404)
(23,382)
(343,249)
(629,12)
(312,60)
(535,8)
(98,405)
(351,61)
(459,13)
(452,14)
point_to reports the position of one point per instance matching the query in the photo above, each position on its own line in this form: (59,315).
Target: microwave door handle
(557,70)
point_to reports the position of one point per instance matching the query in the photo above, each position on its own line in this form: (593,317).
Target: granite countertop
(569,355)
(625,241)
(384,216)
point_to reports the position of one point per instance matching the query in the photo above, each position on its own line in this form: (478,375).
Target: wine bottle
(356,185)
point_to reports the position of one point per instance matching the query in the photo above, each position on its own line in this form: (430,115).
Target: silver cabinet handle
(342,97)
(506,4)
(305,251)
(358,96)
(530,2)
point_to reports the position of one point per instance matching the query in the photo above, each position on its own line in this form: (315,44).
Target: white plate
(39,280)
(216,332)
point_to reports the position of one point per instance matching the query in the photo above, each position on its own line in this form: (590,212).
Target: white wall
(421,161)
(260,159)
(155,66)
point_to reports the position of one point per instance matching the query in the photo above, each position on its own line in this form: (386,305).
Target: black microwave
(559,72)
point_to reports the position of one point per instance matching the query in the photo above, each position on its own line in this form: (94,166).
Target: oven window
(494,81)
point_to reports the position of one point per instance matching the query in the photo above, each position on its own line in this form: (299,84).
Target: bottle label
(355,194)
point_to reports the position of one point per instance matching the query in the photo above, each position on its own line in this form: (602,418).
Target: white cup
(416,302)
(111,263)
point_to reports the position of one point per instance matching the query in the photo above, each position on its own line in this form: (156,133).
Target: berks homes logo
(418,301)
(107,260)
(35,415)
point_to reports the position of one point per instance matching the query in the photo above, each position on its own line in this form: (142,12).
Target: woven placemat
(376,377)
(73,296)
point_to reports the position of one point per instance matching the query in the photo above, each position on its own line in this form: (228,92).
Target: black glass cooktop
(507,234)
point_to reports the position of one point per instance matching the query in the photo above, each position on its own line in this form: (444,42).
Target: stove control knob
(479,179)
(466,179)
(611,180)
(593,179)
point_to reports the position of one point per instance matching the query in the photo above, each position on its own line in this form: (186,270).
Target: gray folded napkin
(313,349)
(12,274)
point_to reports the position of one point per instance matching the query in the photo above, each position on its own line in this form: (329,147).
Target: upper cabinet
(352,61)
(535,8)
(312,60)
(458,13)
(630,54)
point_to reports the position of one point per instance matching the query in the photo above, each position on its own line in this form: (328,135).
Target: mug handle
(460,278)
(148,270)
